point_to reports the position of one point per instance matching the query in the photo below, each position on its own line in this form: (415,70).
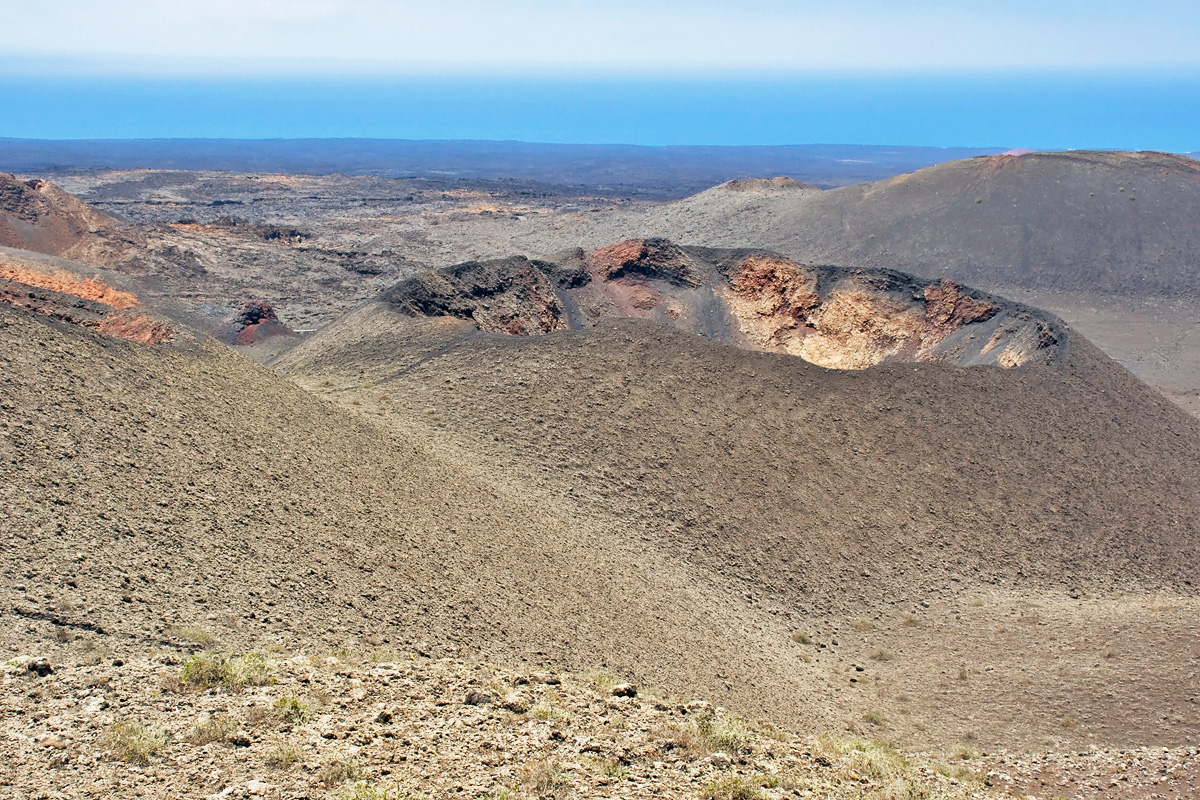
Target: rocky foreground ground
(407,726)
(294,727)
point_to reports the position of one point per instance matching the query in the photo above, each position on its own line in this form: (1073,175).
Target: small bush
(964,753)
(365,790)
(283,756)
(133,742)
(882,654)
(209,670)
(252,669)
(733,787)
(546,710)
(342,770)
(195,635)
(800,637)
(290,709)
(603,680)
(910,620)
(542,775)
(213,729)
(205,671)
(874,718)
(862,624)
(730,736)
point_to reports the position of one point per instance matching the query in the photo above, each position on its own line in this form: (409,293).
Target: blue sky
(397,37)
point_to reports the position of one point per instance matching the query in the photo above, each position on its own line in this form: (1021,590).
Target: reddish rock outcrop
(87,302)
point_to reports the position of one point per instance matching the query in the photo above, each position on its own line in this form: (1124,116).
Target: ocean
(1133,111)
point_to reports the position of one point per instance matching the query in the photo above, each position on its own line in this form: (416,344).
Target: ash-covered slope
(152,492)
(755,299)
(834,489)
(1089,221)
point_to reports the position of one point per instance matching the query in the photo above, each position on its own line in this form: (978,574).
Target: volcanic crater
(831,316)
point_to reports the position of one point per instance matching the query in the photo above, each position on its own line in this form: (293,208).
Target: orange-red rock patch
(65,282)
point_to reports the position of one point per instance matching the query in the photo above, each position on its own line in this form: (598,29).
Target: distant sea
(1035,110)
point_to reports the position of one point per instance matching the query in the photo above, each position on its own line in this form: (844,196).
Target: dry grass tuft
(213,729)
(732,787)
(342,770)
(209,670)
(282,756)
(133,742)
(541,776)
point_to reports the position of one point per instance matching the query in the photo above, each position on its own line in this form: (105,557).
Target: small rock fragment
(40,667)
(239,739)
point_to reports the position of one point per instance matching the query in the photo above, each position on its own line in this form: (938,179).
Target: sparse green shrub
(208,670)
(290,709)
(213,729)
(367,790)
(133,742)
(252,669)
(732,787)
(800,637)
(729,735)
(195,635)
(205,671)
